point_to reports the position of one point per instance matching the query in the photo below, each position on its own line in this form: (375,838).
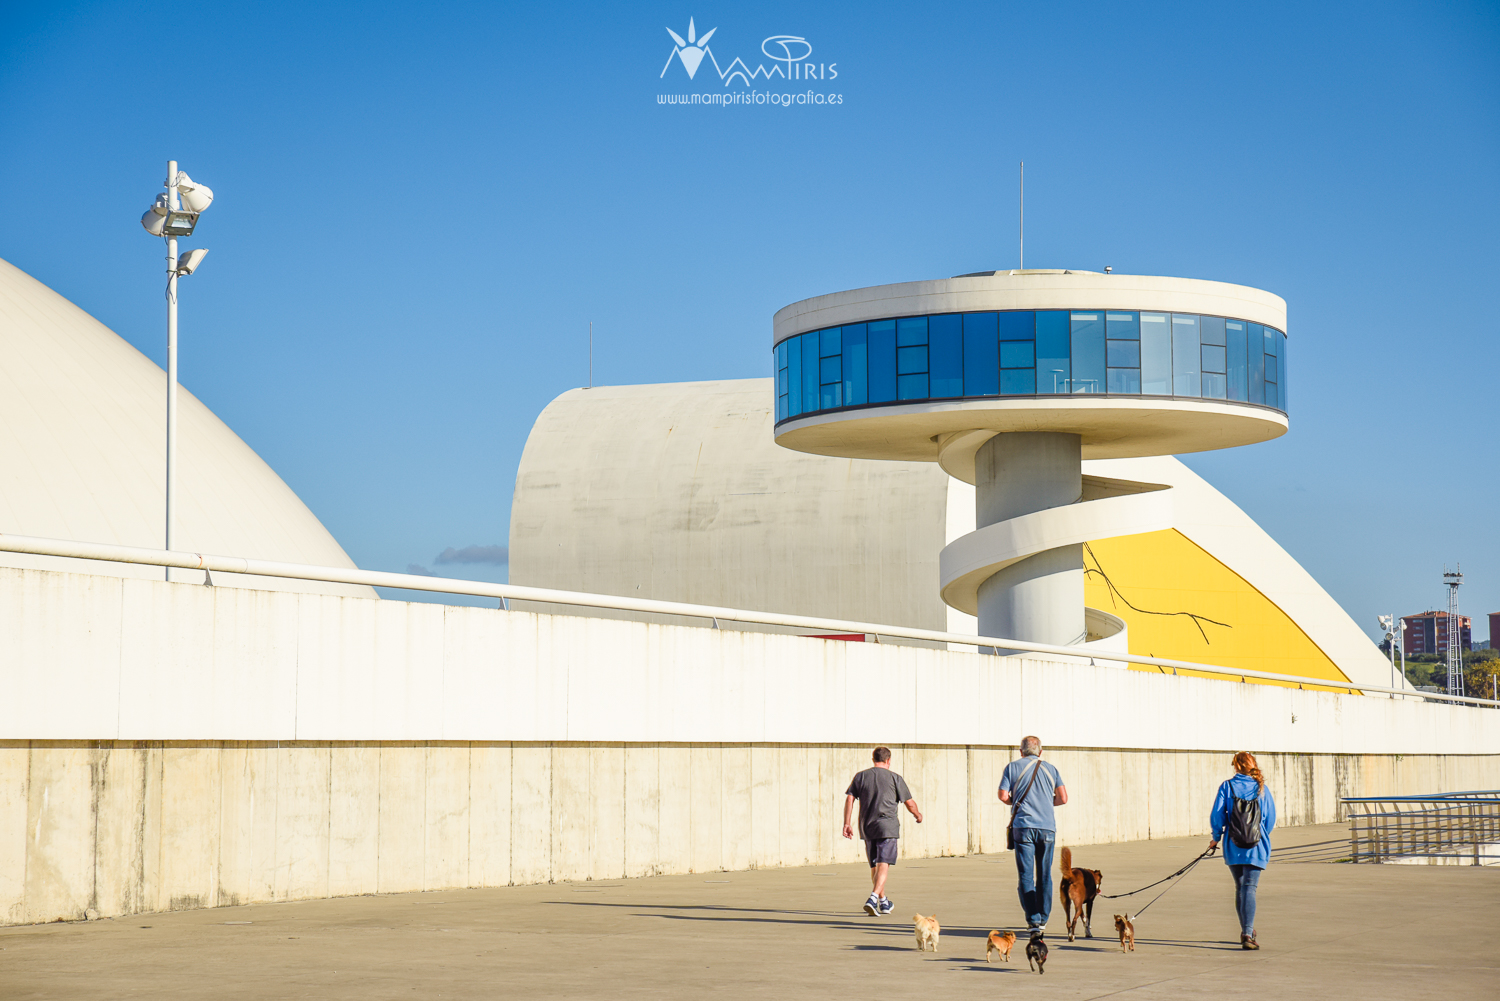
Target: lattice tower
(1455,633)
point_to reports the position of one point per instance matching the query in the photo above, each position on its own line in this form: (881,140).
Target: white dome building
(82,455)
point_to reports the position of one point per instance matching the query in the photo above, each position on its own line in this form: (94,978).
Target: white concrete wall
(105,658)
(175,745)
(123,827)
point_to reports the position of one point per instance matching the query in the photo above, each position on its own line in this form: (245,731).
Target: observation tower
(1009,380)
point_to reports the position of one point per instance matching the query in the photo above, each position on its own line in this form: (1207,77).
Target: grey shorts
(883,850)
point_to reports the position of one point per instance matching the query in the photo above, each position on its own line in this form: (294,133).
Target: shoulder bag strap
(1016,803)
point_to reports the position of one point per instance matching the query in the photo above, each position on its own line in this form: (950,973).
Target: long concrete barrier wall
(174,745)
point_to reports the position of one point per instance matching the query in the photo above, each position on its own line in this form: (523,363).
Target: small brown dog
(1000,942)
(927,932)
(1078,889)
(1126,928)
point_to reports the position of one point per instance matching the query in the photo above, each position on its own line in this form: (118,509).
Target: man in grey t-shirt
(881,793)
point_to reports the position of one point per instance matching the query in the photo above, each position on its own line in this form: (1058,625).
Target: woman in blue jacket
(1246,863)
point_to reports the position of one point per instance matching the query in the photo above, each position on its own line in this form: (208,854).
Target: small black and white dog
(1036,952)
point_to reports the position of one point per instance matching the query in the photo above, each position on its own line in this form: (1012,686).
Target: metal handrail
(1423,797)
(108,553)
(1431,825)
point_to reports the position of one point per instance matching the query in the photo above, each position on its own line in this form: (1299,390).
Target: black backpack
(1244,821)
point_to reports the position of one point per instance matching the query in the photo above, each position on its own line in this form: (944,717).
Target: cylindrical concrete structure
(1008,380)
(1040,596)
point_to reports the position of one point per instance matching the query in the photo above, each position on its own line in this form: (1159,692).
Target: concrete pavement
(1335,930)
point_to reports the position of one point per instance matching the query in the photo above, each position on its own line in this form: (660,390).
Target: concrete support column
(1039,599)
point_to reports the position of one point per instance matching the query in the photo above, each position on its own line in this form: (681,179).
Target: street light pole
(174,204)
(175,213)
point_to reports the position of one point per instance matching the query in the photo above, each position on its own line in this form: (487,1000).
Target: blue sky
(421,207)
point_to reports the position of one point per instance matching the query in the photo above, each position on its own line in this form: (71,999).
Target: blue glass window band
(1104,352)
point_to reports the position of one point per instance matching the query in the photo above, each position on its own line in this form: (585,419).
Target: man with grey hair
(1033,787)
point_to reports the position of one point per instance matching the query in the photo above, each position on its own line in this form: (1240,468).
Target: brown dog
(1078,889)
(1000,942)
(1126,928)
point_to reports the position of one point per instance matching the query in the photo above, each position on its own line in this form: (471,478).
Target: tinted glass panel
(1088,353)
(1281,357)
(828,342)
(1211,330)
(810,371)
(1017,326)
(831,395)
(911,330)
(912,387)
(945,346)
(1124,326)
(1052,366)
(1257,361)
(911,361)
(778,362)
(1234,360)
(981,355)
(882,338)
(793,377)
(1185,379)
(1017,354)
(1156,354)
(1017,382)
(1124,354)
(856,371)
(1215,383)
(830,370)
(1124,380)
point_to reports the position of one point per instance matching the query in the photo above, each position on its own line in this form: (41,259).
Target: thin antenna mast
(591,354)
(1021,216)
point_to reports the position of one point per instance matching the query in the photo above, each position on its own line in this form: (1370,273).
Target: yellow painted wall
(1167,572)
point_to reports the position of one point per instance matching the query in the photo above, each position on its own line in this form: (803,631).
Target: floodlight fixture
(180,223)
(188,262)
(195,197)
(155,219)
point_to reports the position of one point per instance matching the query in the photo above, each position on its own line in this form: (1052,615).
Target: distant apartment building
(1428,632)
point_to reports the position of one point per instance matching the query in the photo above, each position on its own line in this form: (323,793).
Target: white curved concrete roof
(677,492)
(82,454)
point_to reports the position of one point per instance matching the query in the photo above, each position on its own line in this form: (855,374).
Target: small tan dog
(1126,928)
(1000,942)
(927,932)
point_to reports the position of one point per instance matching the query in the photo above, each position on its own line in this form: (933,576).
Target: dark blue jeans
(1034,866)
(1246,879)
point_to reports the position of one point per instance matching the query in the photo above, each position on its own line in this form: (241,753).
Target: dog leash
(1180,872)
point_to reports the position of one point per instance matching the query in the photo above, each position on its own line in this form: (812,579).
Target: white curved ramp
(972,559)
